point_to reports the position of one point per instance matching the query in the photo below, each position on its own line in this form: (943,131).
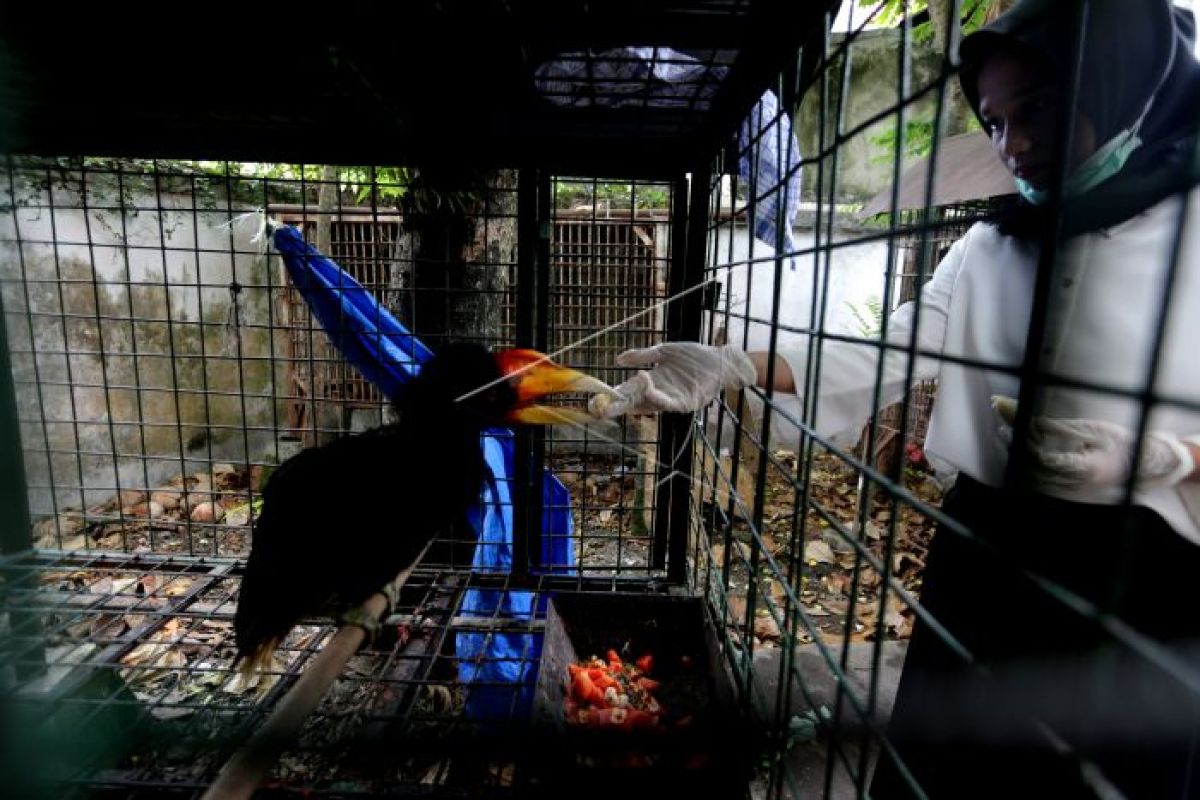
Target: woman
(1053,704)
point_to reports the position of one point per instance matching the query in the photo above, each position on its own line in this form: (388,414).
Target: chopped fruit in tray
(612,694)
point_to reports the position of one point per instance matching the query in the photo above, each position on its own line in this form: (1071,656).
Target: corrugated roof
(967,170)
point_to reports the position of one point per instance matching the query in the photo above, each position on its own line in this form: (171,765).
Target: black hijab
(1133,50)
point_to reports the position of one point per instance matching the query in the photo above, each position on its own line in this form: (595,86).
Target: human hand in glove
(1091,452)
(685,377)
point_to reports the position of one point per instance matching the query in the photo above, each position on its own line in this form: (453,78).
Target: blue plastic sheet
(504,665)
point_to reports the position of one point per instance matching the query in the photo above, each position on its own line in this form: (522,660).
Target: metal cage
(156,366)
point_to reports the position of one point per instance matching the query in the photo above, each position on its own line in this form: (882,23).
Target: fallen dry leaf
(177,587)
(777,590)
(259,683)
(78,542)
(774,511)
(895,619)
(765,627)
(125,585)
(167,713)
(868,578)
(818,552)
(737,609)
(108,626)
(149,661)
(873,531)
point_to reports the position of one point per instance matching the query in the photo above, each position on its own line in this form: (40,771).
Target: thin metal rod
(526,331)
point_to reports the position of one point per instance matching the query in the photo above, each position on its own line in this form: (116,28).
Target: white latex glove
(686,376)
(1091,452)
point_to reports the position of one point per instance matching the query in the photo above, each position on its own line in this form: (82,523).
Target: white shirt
(1104,313)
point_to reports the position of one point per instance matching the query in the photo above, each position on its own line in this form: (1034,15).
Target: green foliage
(918,132)
(253,183)
(570,193)
(869,316)
(918,139)
(976,15)
(386,185)
(891,12)
(112,181)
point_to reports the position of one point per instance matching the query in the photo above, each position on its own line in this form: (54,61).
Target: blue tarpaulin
(508,668)
(389,355)
(364,332)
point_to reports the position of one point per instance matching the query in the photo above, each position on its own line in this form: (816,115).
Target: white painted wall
(847,275)
(109,394)
(746,268)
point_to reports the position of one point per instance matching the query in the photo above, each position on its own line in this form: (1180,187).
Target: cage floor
(119,668)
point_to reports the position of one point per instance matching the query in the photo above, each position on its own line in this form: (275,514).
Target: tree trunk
(464,238)
(996,8)
(449,271)
(958,111)
(491,248)
(326,204)
(327,415)
(939,10)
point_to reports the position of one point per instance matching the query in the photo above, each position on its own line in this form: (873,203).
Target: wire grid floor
(121,666)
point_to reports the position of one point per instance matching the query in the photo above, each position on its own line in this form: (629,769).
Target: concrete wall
(864,167)
(127,368)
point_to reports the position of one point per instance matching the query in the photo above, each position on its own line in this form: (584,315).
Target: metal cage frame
(797,553)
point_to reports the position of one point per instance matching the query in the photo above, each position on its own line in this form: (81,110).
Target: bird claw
(391,593)
(361,619)
(368,622)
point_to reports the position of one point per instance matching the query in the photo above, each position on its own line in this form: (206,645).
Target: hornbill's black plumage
(340,521)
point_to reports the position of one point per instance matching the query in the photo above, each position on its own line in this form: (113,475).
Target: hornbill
(340,521)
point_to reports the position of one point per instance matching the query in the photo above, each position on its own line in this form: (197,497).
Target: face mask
(1101,165)
(1037,197)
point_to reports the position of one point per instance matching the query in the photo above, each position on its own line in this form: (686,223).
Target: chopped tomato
(586,691)
(601,678)
(642,719)
(617,695)
(649,684)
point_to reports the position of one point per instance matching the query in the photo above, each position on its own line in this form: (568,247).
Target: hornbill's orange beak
(534,376)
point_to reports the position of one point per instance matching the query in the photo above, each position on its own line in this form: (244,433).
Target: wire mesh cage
(165,366)
(806,536)
(886,593)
